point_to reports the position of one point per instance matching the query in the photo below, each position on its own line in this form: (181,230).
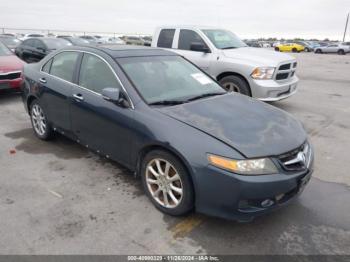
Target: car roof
(119,51)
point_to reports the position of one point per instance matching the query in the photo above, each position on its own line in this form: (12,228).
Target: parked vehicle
(93,40)
(112,40)
(264,44)
(8,34)
(10,42)
(35,49)
(147,40)
(26,36)
(255,72)
(289,47)
(226,155)
(308,46)
(252,43)
(133,40)
(10,69)
(340,49)
(76,40)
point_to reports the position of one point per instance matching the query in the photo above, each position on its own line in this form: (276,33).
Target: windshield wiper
(205,95)
(230,47)
(167,102)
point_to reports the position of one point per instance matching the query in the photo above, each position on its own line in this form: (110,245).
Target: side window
(63,65)
(187,37)
(96,75)
(165,38)
(47,66)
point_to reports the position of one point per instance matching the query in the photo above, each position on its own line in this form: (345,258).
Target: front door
(201,59)
(98,123)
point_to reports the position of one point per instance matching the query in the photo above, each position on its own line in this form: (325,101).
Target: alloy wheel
(39,120)
(164,183)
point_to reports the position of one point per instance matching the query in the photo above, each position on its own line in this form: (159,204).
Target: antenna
(346,27)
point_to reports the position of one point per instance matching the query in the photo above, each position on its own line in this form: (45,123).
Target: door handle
(78,97)
(42,80)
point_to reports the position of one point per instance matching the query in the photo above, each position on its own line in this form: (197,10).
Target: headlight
(261,166)
(263,73)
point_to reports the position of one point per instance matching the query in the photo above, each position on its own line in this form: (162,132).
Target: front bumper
(239,197)
(271,90)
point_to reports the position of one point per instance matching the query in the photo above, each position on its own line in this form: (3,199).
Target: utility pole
(346,27)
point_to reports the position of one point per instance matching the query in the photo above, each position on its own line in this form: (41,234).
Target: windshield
(9,41)
(168,78)
(56,43)
(4,50)
(223,39)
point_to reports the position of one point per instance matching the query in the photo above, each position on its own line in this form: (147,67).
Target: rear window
(165,38)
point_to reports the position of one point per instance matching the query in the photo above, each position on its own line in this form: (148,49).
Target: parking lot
(58,198)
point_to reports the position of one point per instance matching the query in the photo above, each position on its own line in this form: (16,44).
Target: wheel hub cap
(38,119)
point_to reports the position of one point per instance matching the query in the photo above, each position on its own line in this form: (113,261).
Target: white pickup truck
(256,72)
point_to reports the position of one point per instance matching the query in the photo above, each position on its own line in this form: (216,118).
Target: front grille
(297,159)
(281,76)
(285,71)
(10,75)
(284,67)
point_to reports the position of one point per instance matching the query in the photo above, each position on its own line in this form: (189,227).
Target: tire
(341,52)
(164,186)
(277,49)
(235,84)
(41,127)
(294,50)
(318,51)
(306,49)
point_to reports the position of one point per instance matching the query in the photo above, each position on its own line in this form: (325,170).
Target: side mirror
(115,96)
(199,47)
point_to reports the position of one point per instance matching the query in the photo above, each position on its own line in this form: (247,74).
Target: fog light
(267,203)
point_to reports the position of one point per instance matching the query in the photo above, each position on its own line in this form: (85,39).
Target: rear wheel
(277,49)
(167,183)
(40,124)
(307,49)
(318,51)
(294,50)
(234,83)
(341,52)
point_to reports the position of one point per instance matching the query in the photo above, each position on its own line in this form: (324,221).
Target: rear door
(100,124)
(57,76)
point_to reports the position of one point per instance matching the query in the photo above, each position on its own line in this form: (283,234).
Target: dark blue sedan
(194,145)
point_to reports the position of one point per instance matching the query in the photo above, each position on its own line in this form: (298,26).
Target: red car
(11,68)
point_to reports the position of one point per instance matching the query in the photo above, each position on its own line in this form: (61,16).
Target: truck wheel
(277,49)
(294,50)
(234,83)
(341,52)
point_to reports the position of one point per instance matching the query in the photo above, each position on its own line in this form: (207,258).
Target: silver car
(256,72)
(340,49)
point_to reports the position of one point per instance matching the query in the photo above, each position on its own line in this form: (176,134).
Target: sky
(247,18)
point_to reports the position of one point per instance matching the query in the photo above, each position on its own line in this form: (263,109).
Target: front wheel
(307,49)
(277,49)
(167,183)
(234,83)
(41,126)
(294,50)
(318,51)
(341,52)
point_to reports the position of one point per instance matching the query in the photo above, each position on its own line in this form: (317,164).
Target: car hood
(259,56)
(254,128)
(10,63)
